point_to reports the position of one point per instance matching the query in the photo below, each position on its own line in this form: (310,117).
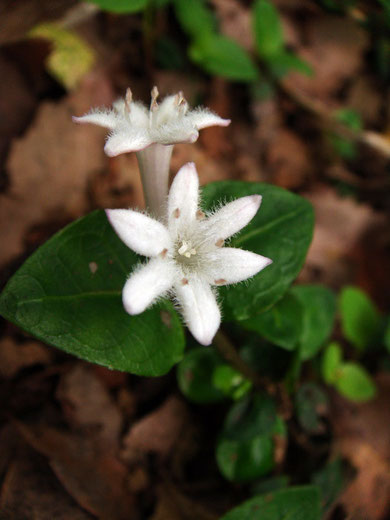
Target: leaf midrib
(266,227)
(110,293)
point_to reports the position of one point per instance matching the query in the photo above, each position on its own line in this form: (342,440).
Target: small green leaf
(267,28)
(231,382)
(281,230)
(195,17)
(355,383)
(245,449)
(195,375)
(310,403)
(280,64)
(120,6)
(360,320)
(281,325)
(331,481)
(331,362)
(69,294)
(221,56)
(294,503)
(71,57)
(319,310)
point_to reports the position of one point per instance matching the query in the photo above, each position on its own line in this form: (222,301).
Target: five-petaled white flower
(133,127)
(187,253)
(151,133)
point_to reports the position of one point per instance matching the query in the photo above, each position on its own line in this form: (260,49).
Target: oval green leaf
(68,294)
(281,230)
(267,28)
(221,56)
(354,382)
(331,362)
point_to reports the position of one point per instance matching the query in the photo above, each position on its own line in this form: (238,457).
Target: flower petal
(139,232)
(183,199)
(127,139)
(232,217)
(203,118)
(147,284)
(106,118)
(230,265)
(177,131)
(200,309)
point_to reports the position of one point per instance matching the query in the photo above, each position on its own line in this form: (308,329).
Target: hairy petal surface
(232,217)
(105,118)
(127,139)
(139,232)
(200,309)
(203,118)
(183,199)
(230,265)
(147,284)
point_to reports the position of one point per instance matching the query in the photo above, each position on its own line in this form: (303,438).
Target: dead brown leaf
(363,437)
(173,505)
(339,225)
(158,432)
(49,167)
(87,404)
(16,356)
(94,478)
(30,490)
(334,48)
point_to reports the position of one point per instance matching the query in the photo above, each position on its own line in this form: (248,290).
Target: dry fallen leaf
(49,167)
(363,437)
(87,404)
(158,432)
(15,356)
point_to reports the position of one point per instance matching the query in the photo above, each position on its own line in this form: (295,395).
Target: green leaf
(354,382)
(281,63)
(221,56)
(245,449)
(195,17)
(331,362)
(319,310)
(360,320)
(120,6)
(195,375)
(281,230)
(267,28)
(310,403)
(331,481)
(68,294)
(231,382)
(71,57)
(281,325)
(294,503)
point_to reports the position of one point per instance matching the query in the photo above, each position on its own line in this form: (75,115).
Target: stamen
(183,248)
(186,249)
(200,215)
(128,100)
(220,281)
(154,94)
(220,242)
(184,281)
(163,253)
(176,213)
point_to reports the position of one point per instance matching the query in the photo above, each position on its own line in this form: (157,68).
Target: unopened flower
(188,257)
(151,133)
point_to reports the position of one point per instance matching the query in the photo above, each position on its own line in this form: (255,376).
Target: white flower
(133,127)
(151,133)
(187,253)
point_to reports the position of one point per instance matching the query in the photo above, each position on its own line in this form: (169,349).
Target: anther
(128,100)
(154,94)
(220,281)
(220,242)
(163,253)
(176,213)
(184,281)
(200,215)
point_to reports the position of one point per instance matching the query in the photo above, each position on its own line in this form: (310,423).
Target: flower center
(186,249)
